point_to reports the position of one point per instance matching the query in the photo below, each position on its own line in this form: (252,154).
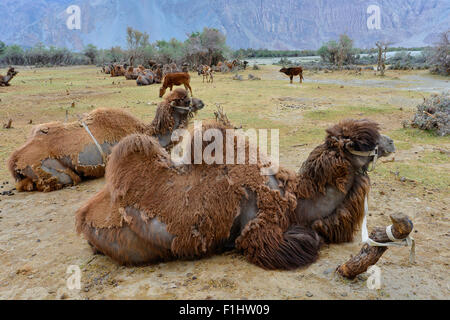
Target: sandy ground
(38,243)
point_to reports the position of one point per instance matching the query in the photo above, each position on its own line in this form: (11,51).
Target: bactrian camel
(63,154)
(153,209)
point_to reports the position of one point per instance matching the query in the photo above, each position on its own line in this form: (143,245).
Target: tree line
(209,47)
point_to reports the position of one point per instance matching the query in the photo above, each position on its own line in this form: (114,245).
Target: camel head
(180,102)
(360,141)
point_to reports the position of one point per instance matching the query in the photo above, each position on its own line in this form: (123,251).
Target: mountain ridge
(274,24)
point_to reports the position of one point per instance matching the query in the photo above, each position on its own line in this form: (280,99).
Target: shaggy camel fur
(118,70)
(175,79)
(145,78)
(294,71)
(153,210)
(62,154)
(133,73)
(4,80)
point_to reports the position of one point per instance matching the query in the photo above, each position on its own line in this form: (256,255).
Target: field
(37,234)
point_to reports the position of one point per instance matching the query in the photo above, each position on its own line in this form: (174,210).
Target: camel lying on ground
(152,209)
(133,73)
(294,71)
(4,80)
(175,79)
(58,154)
(145,78)
(118,70)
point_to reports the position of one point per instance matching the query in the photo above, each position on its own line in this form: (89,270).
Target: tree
(2,47)
(338,53)
(91,52)
(328,52)
(440,55)
(382,48)
(136,41)
(345,52)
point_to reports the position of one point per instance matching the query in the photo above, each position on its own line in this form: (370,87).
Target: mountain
(272,24)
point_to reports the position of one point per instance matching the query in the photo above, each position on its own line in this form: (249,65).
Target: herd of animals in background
(170,74)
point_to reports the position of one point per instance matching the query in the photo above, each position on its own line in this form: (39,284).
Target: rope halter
(371,153)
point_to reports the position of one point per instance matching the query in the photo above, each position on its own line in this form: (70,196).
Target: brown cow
(293,71)
(175,79)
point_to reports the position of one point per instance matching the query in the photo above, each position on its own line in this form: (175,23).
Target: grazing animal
(206,72)
(4,80)
(61,154)
(175,79)
(152,209)
(293,71)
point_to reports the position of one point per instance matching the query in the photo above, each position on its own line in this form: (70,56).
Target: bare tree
(136,42)
(382,48)
(440,57)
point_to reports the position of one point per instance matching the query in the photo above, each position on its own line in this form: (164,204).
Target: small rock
(309,294)
(343,294)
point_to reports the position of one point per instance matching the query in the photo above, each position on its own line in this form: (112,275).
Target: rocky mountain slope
(273,24)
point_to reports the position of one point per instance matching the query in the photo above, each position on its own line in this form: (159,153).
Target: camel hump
(135,148)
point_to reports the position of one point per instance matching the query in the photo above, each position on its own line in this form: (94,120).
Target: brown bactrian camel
(4,80)
(118,70)
(152,209)
(133,73)
(145,78)
(58,154)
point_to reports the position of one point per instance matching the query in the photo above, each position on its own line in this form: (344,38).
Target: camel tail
(298,247)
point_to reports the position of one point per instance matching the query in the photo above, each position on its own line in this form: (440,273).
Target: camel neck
(165,139)
(318,200)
